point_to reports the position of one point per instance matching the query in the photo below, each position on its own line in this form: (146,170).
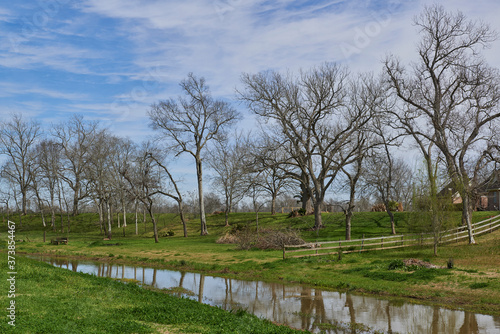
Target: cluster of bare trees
(80,162)
(322,130)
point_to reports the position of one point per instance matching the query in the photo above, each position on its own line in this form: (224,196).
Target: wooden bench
(58,241)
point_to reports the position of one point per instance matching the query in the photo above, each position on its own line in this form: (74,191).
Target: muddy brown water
(298,306)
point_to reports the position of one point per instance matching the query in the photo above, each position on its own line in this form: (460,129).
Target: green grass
(473,283)
(53,300)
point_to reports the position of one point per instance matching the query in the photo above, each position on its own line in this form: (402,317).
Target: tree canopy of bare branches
(449,97)
(190,123)
(310,120)
(18,138)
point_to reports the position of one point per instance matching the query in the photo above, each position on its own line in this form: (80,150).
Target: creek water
(299,307)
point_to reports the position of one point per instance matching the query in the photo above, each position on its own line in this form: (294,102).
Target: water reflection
(299,306)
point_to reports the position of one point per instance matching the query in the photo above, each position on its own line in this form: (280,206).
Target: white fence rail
(388,242)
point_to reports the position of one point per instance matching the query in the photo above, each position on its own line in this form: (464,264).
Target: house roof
(493,183)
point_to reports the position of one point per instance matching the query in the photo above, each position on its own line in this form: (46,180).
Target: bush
(246,238)
(274,239)
(396,264)
(167,234)
(227,238)
(297,213)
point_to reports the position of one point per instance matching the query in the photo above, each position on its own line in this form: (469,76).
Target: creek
(297,306)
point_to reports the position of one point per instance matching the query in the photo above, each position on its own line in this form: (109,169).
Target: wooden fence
(388,242)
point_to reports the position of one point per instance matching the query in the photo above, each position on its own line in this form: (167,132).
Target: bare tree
(450,96)
(228,161)
(122,150)
(144,179)
(49,159)
(191,123)
(18,138)
(368,95)
(170,187)
(353,173)
(98,173)
(77,138)
(311,123)
(383,176)
(272,174)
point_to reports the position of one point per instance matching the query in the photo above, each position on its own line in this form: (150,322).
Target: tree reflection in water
(298,306)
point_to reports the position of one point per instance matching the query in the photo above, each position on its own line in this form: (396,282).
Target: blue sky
(111,59)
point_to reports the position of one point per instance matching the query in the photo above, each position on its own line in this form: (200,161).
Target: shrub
(274,239)
(247,238)
(297,213)
(396,264)
(227,238)
(167,234)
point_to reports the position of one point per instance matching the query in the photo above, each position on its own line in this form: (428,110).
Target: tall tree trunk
(24,201)
(466,218)
(227,210)
(61,208)
(76,198)
(109,219)
(318,223)
(124,214)
(40,205)
(350,206)
(183,220)
(101,216)
(155,229)
(136,220)
(431,175)
(203,221)
(273,205)
(393,226)
(52,212)
(348,218)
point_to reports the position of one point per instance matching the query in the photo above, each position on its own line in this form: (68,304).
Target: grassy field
(53,300)
(473,284)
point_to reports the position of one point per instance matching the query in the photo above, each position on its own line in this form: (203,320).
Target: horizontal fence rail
(388,242)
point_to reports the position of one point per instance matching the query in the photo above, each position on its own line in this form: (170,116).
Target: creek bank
(458,300)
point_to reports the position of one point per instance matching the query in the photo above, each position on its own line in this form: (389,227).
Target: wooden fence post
(402,242)
(362,242)
(382,242)
(283,252)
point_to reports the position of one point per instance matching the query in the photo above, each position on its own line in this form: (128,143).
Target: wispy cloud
(111,59)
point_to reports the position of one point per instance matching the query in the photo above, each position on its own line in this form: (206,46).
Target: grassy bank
(54,300)
(473,284)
